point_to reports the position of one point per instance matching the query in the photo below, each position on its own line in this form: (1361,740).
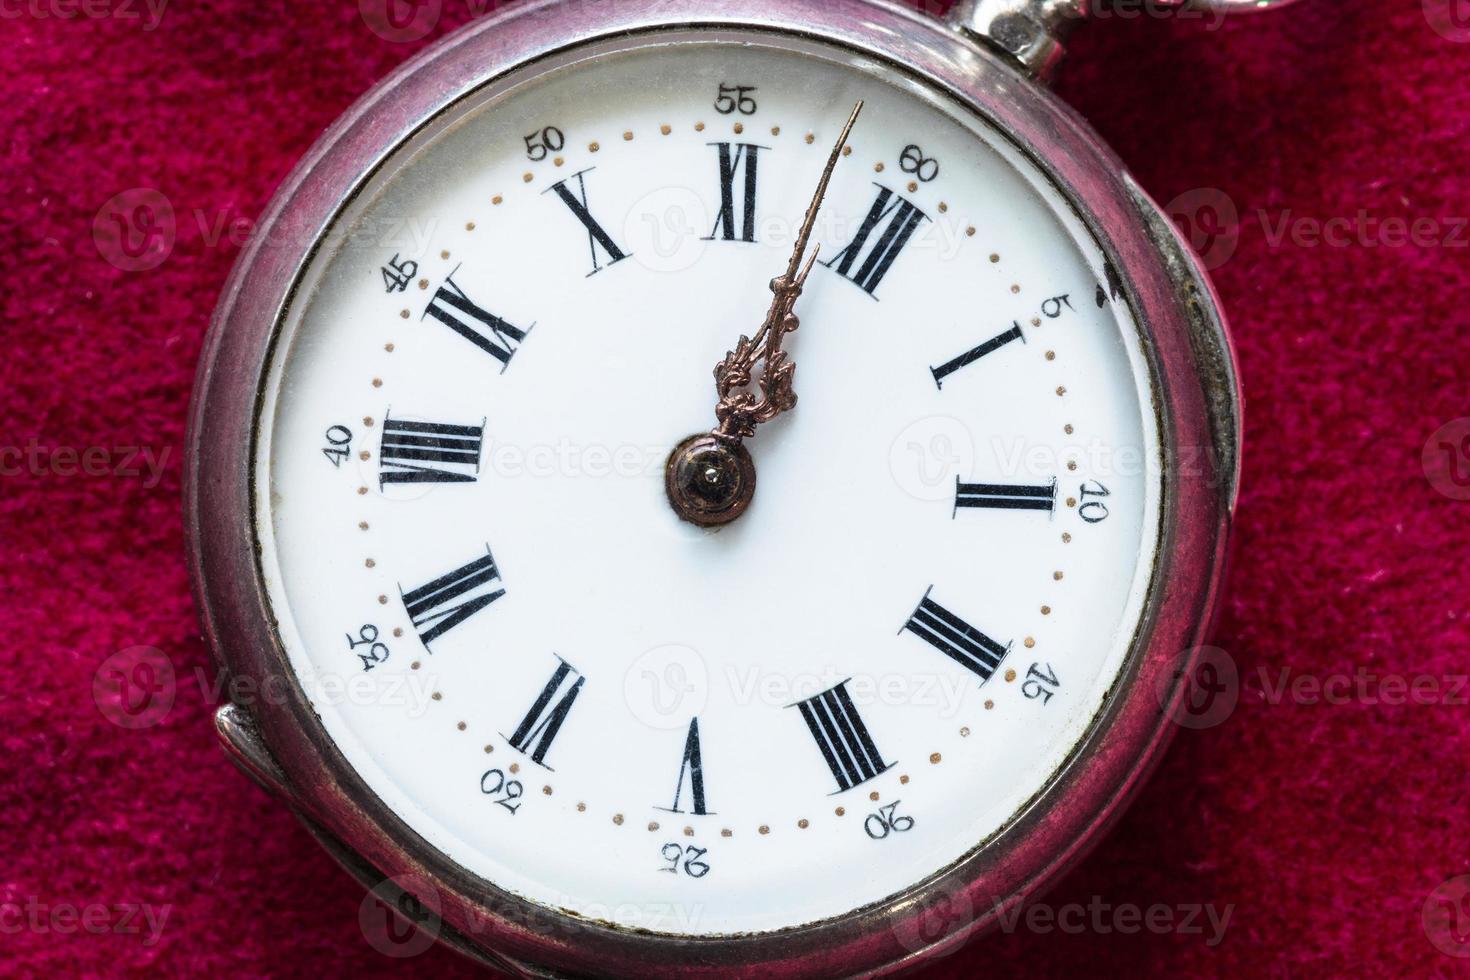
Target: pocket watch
(712,488)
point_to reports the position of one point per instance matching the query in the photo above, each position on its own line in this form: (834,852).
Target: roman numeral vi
(539,728)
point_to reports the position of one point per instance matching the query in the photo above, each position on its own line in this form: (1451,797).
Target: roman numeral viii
(451,307)
(975,353)
(898,220)
(732,156)
(536,732)
(597,236)
(441,605)
(842,737)
(408,448)
(1005,496)
(956,638)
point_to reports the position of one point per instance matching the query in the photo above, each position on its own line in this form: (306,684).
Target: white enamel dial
(487,597)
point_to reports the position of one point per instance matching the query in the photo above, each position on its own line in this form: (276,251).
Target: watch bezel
(1197,408)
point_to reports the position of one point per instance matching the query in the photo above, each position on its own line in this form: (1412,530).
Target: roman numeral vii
(842,737)
(441,605)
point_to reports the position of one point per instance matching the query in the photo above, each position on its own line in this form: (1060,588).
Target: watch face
(478,578)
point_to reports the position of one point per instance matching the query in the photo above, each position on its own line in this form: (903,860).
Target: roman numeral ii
(842,737)
(441,605)
(1005,496)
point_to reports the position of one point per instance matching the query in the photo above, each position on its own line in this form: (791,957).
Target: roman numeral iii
(732,156)
(536,732)
(897,219)
(409,448)
(955,638)
(441,605)
(842,737)
(597,236)
(1005,496)
(975,353)
(451,307)
(691,773)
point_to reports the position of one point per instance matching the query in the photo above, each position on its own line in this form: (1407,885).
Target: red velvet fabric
(1325,827)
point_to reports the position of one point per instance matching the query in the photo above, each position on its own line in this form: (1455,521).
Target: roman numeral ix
(597,236)
(536,732)
(975,353)
(956,638)
(691,772)
(451,307)
(731,158)
(438,607)
(407,449)
(1005,496)
(842,737)
(898,219)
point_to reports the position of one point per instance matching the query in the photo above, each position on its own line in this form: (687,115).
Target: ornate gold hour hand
(710,477)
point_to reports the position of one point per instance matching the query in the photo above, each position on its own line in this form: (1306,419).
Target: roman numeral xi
(732,156)
(842,737)
(429,452)
(438,607)
(955,638)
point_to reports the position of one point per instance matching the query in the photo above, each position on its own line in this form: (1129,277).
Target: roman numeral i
(898,219)
(597,236)
(408,447)
(975,353)
(955,638)
(732,156)
(438,607)
(842,737)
